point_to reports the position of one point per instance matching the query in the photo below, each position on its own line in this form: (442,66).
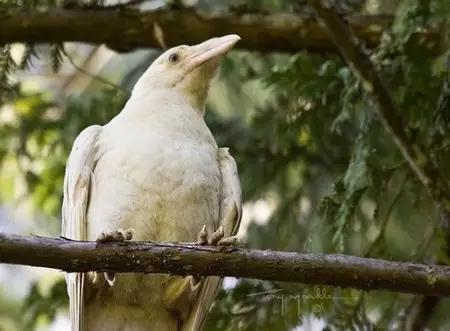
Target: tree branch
(185,259)
(127,29)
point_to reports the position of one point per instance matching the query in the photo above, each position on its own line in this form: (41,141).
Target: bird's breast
(164,186)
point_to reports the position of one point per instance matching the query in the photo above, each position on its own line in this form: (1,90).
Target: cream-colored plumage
(157,169)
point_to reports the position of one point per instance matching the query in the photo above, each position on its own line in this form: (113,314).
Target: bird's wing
(77,187)
(229,217)
(231,201)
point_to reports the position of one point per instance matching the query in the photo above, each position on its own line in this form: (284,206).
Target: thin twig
(386,218)
(95,77)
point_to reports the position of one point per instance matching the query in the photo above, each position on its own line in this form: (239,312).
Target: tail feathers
(208,292)
(75,288)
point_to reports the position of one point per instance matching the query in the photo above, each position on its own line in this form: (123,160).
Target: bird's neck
(162,98)
(197,102)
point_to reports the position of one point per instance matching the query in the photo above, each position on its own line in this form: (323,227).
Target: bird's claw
(113,236)
(116,235)
(203,236)
(217,238)
(229,241)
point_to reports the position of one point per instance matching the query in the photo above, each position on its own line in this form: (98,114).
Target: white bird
(155,169)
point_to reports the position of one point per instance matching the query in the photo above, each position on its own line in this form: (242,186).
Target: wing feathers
(77,180)
(229,217)
(231,202)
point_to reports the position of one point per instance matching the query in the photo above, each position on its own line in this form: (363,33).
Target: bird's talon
(229,241)
(203,236)
(216,236)
(94,277)
(113,236)
(129,233)
(195,281)
(110,278)
(116,235)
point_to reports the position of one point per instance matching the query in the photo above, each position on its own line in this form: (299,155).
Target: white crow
(154,172)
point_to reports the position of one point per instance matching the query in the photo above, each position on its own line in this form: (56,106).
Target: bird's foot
(113,236)
(116,235)
(217,238)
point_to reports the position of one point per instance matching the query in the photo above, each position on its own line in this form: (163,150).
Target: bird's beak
(210,49)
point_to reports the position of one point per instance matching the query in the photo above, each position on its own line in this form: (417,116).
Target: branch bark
(126,29)
(186,259)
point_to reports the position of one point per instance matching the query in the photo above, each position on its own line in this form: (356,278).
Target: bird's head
(187,70)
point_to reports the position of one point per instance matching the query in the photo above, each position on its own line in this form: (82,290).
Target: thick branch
(185,259)
(348,44)
(128,29)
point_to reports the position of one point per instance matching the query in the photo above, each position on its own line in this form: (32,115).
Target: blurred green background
(318,171)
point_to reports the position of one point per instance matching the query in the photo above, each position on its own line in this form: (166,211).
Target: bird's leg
(113,236)
(177,290)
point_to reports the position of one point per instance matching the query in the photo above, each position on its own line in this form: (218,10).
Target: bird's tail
(210,286)
(75,287)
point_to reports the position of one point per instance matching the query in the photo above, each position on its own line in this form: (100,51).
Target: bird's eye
(174,57)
